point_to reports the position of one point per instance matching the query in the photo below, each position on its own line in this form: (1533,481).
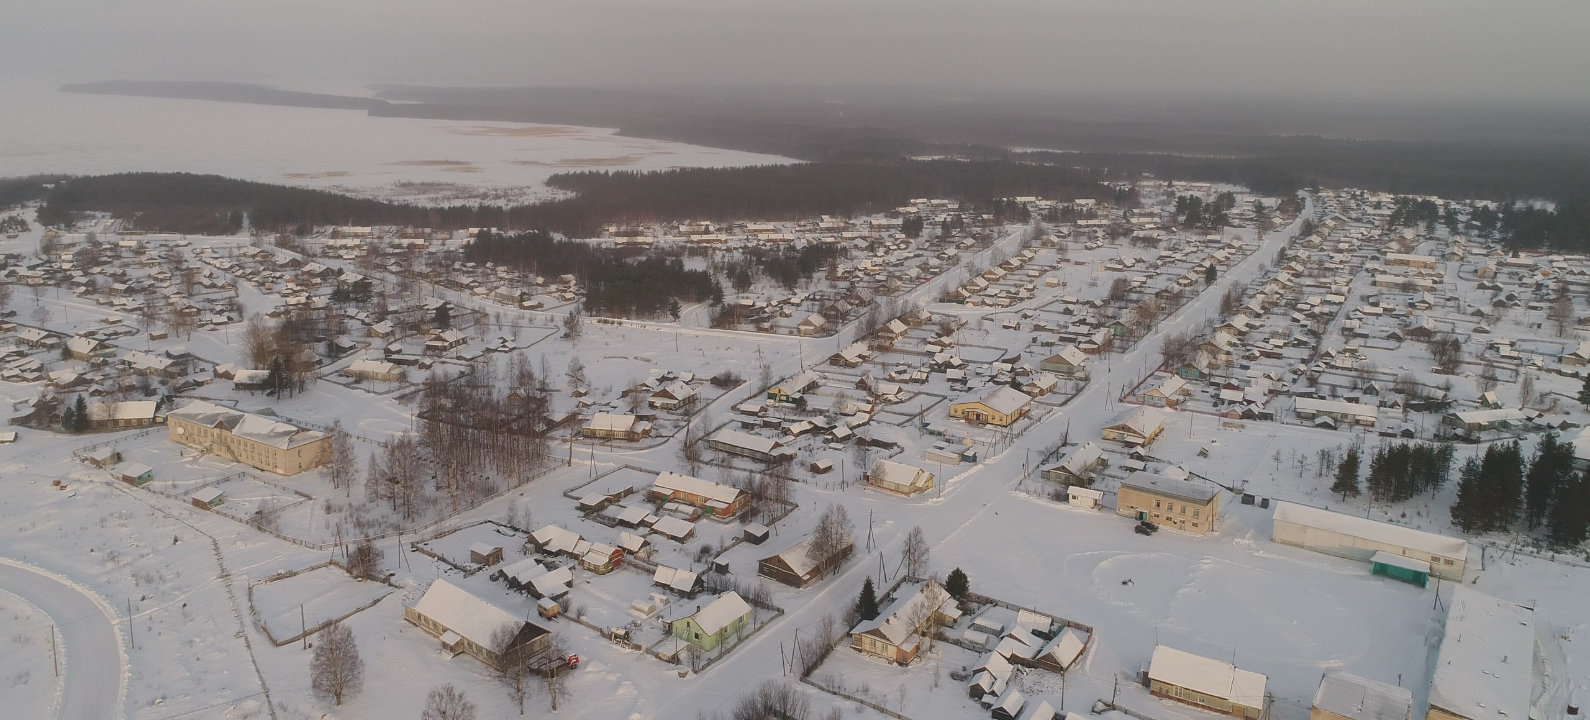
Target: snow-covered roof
(1066,647)
(1357,698)
(681,580)
(1484,669)
(245,425)
(1337,406)
(1004,399)
(885,470)
(457,610)
(895,621)
(672,527)
(1210,677)
(611,422)
(1142,420)
(130,410)
(674,482)
(754,443)
(721,612)
(1169,487)
(1386,533)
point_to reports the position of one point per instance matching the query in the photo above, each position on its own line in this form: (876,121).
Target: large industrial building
(1359,538)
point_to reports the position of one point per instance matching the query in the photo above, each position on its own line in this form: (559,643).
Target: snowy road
(91,654)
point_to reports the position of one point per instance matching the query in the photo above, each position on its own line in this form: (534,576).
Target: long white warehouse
(1359,538)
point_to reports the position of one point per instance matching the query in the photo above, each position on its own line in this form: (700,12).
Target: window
(1156,503)
(1184,509)
(1195,524)
(1196,511)
(1446,562)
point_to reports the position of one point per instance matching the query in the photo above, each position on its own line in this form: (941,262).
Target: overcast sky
(1483,49)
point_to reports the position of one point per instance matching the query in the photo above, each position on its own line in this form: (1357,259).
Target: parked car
(1146,528)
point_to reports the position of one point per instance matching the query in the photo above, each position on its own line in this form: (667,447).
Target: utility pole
(53,659)
(130,636)
(303,625)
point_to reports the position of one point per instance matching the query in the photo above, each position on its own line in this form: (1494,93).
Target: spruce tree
(1346,483)
(1505,484)
(1466,512)
(1584,392)
(867,604)
(80,415)
(69,419)
(1552,465)
(276,379)
(957,584)
(1568,523)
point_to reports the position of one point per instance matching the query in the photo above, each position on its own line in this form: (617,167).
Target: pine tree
(1553,464)
(79,415)
(1466,512)
(1504,481)
(1347,475)
(957,584)
(1584,392)
(69,419)
(867,604)
(1568,523)
(276,379)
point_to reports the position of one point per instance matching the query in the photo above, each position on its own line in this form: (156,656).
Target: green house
(1397,567)
(714,622)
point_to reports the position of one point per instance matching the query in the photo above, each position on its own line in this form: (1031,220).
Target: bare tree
(690,452)
(556,688)
(1447,352)
(771,699)
(923,613)
(448,703)
(342,466)
(834,535)
(1178,348)
(336,670)
(259,342)
(915,553)
(515,672)
(1561,312)
(1487,380)
(5,295)
(1526,388)
(365,560)
(571,324)
(764,375)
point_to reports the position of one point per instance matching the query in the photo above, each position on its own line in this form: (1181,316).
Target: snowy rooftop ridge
(1484,668)
(1359,698)
(1210,677)
(456,609)
(1372,530)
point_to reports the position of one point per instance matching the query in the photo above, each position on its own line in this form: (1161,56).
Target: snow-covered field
(29,686)
(433,161)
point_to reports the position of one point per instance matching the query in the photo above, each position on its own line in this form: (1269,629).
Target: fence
(862,701)
(79,453)
(260,624)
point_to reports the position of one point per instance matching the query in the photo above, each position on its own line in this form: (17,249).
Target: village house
(130,414)
(709,626)
(796,567)
(1209,684)
(1179,504)
(467,624)
(1002,406)
(368,369)
(256,440)
(1337,411)
(899,478)
(1077,467)
(1477,421)
(1344,696)
(788,390)
(672,396)
(896,634)
(1135,427)
(812,324)
(756,447)
(720,501)
(614,426)
(1168,393)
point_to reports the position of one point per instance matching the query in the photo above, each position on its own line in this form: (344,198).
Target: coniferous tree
(276,379)
(867,604)
(1584,392)
(69,419)
(1552,465)
(1346,483)
(79,415)
(1505,482)
(957,584)
(1568,522)
(1467,511)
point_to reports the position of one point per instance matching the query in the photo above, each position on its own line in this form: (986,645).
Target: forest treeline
(617,282)
(181,202)
(209,204)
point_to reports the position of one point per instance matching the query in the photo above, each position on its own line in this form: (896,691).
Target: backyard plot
(459,548)
(287,606)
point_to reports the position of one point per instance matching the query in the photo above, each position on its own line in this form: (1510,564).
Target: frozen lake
(49,131)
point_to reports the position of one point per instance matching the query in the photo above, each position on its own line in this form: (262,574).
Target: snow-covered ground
(432,161)
(29,683)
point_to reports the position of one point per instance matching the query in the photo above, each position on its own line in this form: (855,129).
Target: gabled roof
(471,617)
(1210,677)
(674,482)
(1142,421)
(1004,399)
(721,612)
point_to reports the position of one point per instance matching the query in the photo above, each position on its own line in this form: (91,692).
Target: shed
(208,498)
(1206,683)
(756,534)
(136,474)
(485,554)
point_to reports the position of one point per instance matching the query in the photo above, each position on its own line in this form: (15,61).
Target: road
(90,652)
(979,491)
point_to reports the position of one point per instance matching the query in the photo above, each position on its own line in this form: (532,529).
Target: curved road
(90,651)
